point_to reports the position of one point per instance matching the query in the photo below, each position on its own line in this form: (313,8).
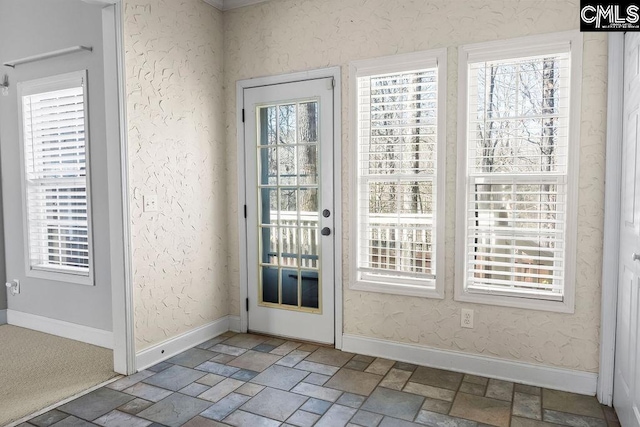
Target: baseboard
(169,348)
(3,317)
(60,328)
(486,366)
(234,323)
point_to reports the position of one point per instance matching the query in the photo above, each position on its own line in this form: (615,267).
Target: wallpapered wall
(177,151)
(282,36)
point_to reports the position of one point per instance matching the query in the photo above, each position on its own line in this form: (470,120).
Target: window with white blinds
(397,178)
(54,138)
(517,175)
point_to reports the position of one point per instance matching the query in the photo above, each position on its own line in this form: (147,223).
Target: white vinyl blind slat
(517,156)
(56,182)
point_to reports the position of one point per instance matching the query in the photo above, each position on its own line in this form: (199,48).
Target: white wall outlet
(150,203)
(466,319)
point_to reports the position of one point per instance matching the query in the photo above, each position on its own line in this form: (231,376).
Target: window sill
(57,276)
(397,289)
(564,306)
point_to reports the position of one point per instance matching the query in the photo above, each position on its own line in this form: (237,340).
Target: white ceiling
(232,4)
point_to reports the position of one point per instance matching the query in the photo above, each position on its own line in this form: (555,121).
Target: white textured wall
(177,150)
(291,35)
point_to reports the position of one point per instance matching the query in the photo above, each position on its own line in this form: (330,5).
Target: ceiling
(232,4)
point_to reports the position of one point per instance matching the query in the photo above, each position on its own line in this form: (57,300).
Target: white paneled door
(626,396)
(289,210)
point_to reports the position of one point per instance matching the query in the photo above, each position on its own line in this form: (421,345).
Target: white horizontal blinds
(56,180)
(397,118)
(517,170)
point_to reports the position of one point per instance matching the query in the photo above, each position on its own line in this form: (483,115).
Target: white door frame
(118,183)
(611,243)
(241,85)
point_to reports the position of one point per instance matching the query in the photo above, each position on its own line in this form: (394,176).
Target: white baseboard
(486,366)
(61,328)
(3,317)
(234,323)
(169,348)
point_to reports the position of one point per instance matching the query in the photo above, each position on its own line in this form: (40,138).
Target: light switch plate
(150,203)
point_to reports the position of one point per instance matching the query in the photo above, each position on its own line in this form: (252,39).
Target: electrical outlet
(150,203)
(466,319)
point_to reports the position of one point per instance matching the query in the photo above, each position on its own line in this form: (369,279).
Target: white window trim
(507,49)
(391,64)
(26,88)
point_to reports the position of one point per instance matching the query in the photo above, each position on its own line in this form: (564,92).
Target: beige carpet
(38,370)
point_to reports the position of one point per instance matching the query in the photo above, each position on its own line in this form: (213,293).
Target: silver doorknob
(636,257)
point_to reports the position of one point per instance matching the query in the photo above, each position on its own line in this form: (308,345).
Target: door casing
(241,85)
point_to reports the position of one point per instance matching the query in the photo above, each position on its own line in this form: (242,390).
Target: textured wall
(291,35)
(176,148)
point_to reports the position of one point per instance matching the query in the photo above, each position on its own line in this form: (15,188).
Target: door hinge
(245,211)
(243,115)
(247,304)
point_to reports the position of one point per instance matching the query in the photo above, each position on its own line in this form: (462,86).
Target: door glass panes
(289,217)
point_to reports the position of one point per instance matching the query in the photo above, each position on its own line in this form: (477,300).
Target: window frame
(435,58)
(571,42)
(42,85)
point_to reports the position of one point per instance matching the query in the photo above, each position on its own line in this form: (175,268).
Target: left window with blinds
(55,178)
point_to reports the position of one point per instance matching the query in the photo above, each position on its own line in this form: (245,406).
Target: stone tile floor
(250,380)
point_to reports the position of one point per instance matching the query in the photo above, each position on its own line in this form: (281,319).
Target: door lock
(325,231)
(326,213)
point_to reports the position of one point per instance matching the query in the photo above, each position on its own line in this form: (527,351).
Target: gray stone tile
(293,358)
(527,406)
(317,406)
(225,406)
(247,419)
(363,358)
(355,382)
(285,348)
(498,389)
(175,410)
(366,419)
(246,341)
(148,392)
(317,368)
(394,422)
(280,377)
(276,404)
(330,356)
(317,392)
(174,378)
(303,419)
(73,422)
(203,422)
(254,361)
(380,366)
(210,343)
(572,420)
(217,368)
(135,406)
(356,365)
(481,409)
(96,404)
(435,405)
(430,391)
(437,378)
(351,400)
(393,403)
(194,389)
(159,367)
(440,420)
(192,357)
(316,379)
(264,347)
(308,347)
(610,414)
(48,418)
(223,358)
(249,389)
(121,419)
(528,389)
(572,403)
(244,375)
(475,379)
(220,390)
(210,379)
(471,388)
(275,342)
(127,382)
(526,422)
(405,366)
(229,350)
(336,416)
(395,379)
